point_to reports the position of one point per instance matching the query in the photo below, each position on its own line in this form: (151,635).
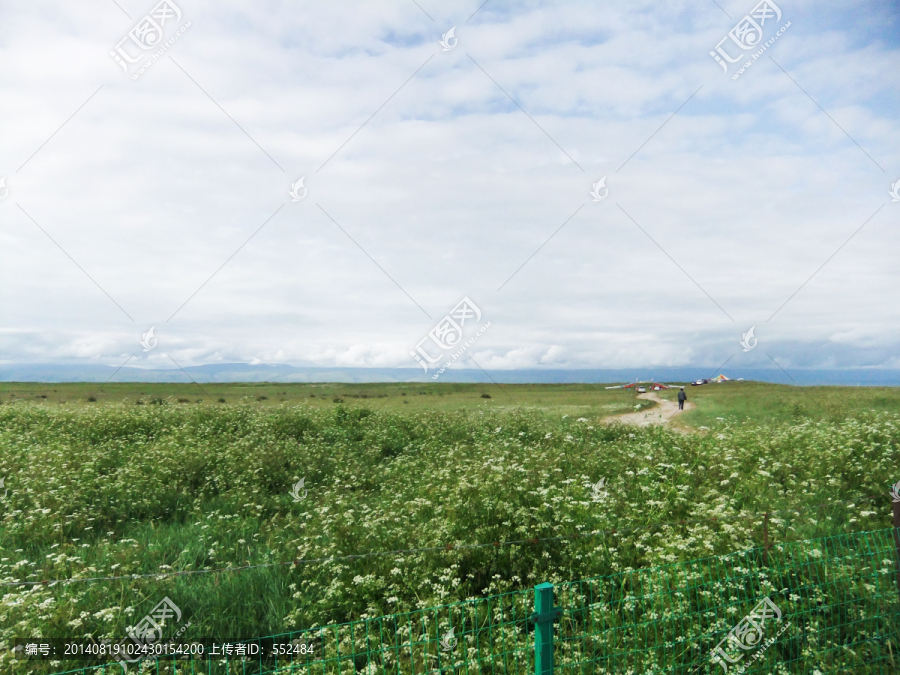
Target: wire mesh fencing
(825,605)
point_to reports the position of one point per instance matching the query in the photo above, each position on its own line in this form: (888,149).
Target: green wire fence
(818,606)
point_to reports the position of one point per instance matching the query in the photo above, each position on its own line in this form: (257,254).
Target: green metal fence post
(544,616)
(895,517)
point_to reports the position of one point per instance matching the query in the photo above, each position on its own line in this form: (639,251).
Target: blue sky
(427,183)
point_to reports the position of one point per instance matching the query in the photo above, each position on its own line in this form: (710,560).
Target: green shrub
(125,489)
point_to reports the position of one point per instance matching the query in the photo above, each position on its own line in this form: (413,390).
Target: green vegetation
(763,403)
(572,399)
(736,402)
(117,489)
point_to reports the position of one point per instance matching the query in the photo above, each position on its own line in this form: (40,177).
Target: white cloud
(450,187)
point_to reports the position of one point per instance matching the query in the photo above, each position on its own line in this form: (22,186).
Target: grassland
(754,402)
(112,488)
(763,403)
(563,399)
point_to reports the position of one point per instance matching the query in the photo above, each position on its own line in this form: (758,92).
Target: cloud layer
(433,175)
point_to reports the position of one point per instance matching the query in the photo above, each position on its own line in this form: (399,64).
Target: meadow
(111,488)
(402,397)
(735,401)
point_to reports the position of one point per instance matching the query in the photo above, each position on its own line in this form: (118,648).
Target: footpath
(661,414)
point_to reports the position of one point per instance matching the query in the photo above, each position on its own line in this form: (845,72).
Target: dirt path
(661,414)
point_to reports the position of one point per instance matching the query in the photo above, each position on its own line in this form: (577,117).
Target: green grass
(571,399)
(755,402)
(763,403)
(111,489)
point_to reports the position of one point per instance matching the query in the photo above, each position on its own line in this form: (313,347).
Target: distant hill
(243,372)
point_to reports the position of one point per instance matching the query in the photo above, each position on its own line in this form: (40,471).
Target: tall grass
(122,490)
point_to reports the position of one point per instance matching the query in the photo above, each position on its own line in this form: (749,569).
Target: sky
(440,166)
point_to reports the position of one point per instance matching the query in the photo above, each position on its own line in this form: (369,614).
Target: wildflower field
(120,490)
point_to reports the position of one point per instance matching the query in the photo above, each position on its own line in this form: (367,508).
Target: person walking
(682,397)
